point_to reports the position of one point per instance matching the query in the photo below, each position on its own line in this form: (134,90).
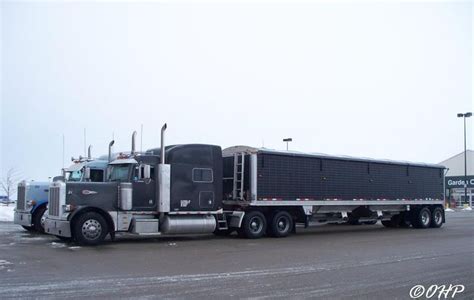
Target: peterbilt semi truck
(32,203)
(197,188)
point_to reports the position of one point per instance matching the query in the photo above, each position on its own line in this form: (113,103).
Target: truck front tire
(38,219)
(90,229)
(281,224)
(254,225)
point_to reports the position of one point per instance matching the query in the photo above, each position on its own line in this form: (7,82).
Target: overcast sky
(382,80)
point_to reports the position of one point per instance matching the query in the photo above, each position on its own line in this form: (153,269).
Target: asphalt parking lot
(332,261)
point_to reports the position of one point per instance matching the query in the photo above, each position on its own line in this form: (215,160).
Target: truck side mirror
(87,173)
(146,172)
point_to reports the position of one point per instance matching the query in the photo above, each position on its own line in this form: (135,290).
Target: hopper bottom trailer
(198,188)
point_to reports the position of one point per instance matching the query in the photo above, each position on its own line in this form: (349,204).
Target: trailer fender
(84,209)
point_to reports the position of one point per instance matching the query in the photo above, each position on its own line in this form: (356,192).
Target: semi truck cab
(168,190)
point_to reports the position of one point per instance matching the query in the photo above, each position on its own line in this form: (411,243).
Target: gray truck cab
(32,203)
(167,190)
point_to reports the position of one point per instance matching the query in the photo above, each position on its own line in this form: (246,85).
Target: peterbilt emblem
(87,192)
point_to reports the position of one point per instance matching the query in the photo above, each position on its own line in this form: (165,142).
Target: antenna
(141,138)
(63,149)
(85,140)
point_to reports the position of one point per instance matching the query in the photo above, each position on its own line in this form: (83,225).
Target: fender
(83,209)
(38,204)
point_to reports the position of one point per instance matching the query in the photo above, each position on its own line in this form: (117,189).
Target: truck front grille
(54,203)
(21,201)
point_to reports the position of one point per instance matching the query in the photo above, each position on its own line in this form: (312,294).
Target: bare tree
(8,184)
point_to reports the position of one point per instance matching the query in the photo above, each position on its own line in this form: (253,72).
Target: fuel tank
(188,224)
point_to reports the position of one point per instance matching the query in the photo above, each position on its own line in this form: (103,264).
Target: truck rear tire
(421,218)
(281,224)
(38,219)
(90,229)
(437,217)
(254,225)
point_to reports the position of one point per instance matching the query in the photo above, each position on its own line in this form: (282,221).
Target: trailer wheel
(38,219)
(90,229)
(437,217)
(281,224)
(421,218)
(254,225)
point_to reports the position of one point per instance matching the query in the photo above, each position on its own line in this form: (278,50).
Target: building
(455,177)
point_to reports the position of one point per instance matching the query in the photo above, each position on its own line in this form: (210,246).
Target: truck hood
(96,194)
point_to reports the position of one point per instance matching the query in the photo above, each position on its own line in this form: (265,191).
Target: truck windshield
(75,175)
(119,173)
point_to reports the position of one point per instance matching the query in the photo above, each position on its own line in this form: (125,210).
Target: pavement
(331,261)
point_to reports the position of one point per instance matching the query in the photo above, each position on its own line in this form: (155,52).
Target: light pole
(464,116)
(287,140)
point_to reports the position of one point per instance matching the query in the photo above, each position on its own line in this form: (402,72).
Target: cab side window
(97,175)
(203,175)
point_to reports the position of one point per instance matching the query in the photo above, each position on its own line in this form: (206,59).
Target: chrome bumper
(22,218)
(57,227)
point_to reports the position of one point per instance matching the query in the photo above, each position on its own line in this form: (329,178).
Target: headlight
(31,203)
(69,207)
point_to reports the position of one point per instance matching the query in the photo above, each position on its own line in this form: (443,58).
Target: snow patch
(74,247)
(4,264)
(57,245)
(449,209)
(467,208)
(6,212)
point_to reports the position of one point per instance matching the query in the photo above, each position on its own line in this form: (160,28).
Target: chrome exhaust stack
(110,149)
(133,143)
(89,155)
(162,154)
(164,179)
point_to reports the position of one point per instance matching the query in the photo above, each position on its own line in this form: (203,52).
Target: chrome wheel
(91,229)
(283,224)
(256,225)
(425,218)
(43,218)
(438,217)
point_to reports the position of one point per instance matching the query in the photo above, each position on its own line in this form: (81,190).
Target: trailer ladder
(239,163)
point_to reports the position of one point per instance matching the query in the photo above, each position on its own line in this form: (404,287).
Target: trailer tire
(90,229)
(38,219)
(421,218)
(254,225)
(281,224)
(437,217)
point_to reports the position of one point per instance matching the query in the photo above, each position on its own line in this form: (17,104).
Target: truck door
(143,190)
